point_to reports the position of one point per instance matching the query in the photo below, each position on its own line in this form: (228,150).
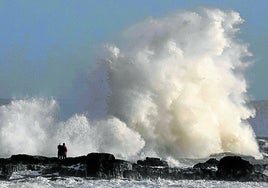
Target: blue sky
(44,44)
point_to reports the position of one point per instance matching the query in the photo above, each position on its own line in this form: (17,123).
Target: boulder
(149,161)
(119,167)
(209,164)
(104,165)
(151,172)
(99,164)
(234,168)
(132,175)
(5,171)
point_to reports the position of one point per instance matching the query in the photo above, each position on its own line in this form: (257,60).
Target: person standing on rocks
(60,151)
(64,151)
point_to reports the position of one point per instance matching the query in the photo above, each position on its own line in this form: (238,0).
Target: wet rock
(234,168)
(149,161)
(73,160)
(29,159)
(151,172)
(132,175)
(5,172)
(119,167)
(105,166)
(99,164)
(77,170)
(209,164)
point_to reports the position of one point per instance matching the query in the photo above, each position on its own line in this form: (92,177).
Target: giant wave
(176,88)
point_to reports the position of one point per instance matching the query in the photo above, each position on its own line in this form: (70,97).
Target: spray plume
(177,89)
(31,126)
(179,83)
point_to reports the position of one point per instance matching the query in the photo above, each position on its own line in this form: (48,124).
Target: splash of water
(177,89)
(179,83)
(26,126)
(31,126)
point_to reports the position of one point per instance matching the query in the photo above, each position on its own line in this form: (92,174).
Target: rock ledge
(106,166)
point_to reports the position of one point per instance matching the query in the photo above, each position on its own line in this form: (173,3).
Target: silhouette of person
(59,151)
(64,150)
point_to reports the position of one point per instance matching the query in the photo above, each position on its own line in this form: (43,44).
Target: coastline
(105,166)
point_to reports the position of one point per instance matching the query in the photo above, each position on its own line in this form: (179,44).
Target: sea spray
(26,127)
(31,126)
(108,135)
(176,89)
(179,82)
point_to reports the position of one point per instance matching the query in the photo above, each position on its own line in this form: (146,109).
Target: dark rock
(119,167)
(99,164)
(132,175)
(73,160)
(149,161)
(211,163)
(78,170)
(5,172)
(260,167)
(5,161)
(50,170)
(151,172)
(234,168)
(105,166)
(29,159)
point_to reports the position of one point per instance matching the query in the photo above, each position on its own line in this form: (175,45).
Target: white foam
(180,83)
(30,126)
(177,89)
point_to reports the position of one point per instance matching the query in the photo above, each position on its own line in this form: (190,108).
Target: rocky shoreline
(106,166)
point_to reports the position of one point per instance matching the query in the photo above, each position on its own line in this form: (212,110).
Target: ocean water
(33,179)
(81,182)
